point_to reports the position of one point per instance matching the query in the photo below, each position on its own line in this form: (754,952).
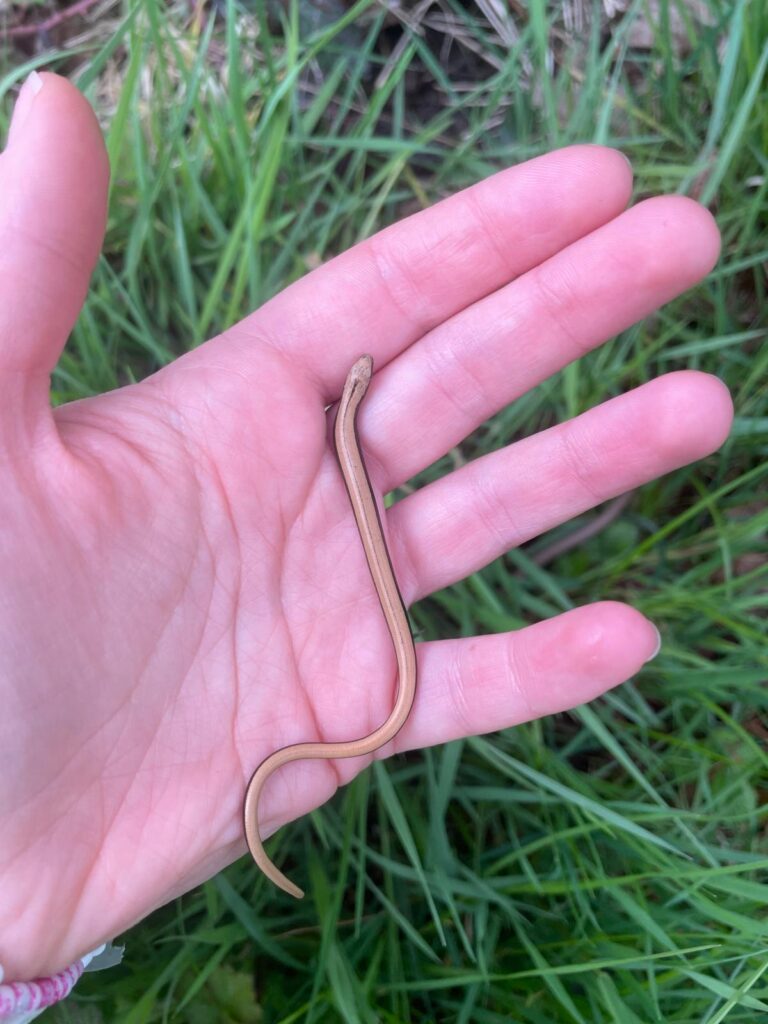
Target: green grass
(608,866)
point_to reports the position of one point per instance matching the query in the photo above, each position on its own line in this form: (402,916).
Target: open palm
(184,590)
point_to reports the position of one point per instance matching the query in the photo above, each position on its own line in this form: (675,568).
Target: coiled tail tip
(252,836)
(293,890)
(274,874)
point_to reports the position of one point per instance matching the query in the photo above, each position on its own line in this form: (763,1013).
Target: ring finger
(456,525)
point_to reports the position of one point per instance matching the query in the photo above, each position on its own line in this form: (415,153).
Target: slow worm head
(375,548)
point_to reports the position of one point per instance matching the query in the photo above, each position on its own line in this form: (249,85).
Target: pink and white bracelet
(22,1001)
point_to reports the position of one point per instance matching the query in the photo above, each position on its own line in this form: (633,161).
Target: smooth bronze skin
(376,553)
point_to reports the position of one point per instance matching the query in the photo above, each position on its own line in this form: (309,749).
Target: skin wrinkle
(84,543)
(153,738)
(386,269)
(457,690)
(69,922)
(344,769)
(412,540)
(78,436)
(236,598)
(218,584)
(81,263)
(556,302)
(573,458)
(450,382)
(309,709)
(236,590)
(173,697)
(208,616)
(415,280)
(256,336)
(25,412)
(487,225)
(281,716)
(137,773)
(493,511)
(479,396)
(237,690)
(515,658)
(179,417)
(85,741)
(287,531)
(439,377)
(78,752)
(64,804)
(117,711)
(404,563)
(381,695)
(34,484)
(317,623)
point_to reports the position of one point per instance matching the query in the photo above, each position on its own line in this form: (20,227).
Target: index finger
(385,293)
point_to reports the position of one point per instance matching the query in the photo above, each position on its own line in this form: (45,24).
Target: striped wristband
(22,1001)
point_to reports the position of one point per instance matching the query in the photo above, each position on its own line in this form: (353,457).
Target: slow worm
(371,534)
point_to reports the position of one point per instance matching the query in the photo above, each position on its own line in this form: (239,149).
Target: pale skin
(183,587)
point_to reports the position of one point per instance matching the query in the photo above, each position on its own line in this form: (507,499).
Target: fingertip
(58,167)
(613,640)
(677,224)
(607,169)
(30,87)
(584,652)
(712,399)
(58,114)
(612,161)
(693,414)
(720,405)
(704,234)
(624,168)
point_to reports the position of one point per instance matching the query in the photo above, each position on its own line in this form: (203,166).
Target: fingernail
(33,83)
(657,648)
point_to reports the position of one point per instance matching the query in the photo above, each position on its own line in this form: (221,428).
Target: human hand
(184,590)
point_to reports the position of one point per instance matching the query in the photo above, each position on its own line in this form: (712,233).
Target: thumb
(54,175)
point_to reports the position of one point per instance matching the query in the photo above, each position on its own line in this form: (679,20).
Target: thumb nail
(31,87)
(657,647)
